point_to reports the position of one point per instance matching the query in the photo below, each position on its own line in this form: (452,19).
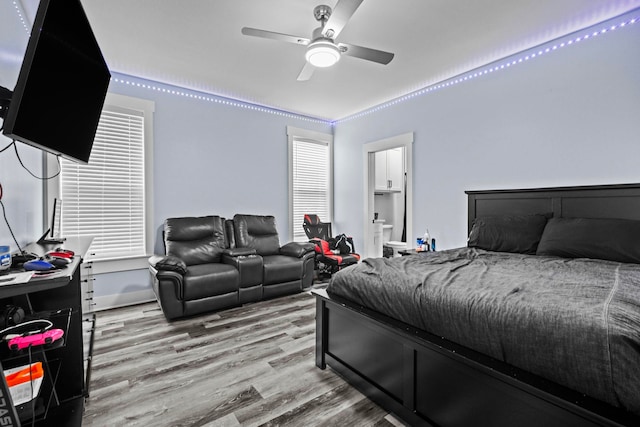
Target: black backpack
(342,244)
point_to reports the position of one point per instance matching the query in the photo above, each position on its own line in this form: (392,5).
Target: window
(310,178)
(108,198)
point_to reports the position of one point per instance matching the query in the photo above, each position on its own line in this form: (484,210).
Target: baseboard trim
(122,300)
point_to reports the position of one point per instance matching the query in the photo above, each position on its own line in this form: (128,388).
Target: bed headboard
(593,201)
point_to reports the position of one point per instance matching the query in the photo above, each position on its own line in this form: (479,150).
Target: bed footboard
(426,380)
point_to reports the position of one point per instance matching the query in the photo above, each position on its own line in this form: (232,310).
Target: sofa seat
(281,268)
(204,280)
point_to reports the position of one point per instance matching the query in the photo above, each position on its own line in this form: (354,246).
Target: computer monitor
(58,98)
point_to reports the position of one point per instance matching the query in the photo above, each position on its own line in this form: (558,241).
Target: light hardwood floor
(251,366)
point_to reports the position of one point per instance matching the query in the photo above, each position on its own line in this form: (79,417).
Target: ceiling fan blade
(306,72)
(275,36)
(374,55)
(339,17)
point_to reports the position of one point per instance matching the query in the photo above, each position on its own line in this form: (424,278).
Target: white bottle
(426,241)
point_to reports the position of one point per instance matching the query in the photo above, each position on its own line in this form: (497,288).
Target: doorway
(405,141)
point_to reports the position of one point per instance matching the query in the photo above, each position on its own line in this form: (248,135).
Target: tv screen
(63,81)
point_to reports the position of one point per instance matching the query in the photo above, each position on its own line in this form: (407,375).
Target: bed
(554,339)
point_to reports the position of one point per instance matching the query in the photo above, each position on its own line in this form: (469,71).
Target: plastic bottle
(426,241)
(5,258)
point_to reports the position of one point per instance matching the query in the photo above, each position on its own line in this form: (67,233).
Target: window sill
(120,264)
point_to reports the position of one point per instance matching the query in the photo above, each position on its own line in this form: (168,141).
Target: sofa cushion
(205,280)
(229,232)
(258,232)
(281,268)
(195,240)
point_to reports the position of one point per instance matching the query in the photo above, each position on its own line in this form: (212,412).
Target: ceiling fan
(322,50)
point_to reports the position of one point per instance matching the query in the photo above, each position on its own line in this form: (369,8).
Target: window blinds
(105,199)
(311,183)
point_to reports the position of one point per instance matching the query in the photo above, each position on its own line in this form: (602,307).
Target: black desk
(61,398)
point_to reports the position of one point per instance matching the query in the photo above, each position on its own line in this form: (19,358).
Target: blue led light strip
(503,64)
(500,65)
(193,94)
(26,25)
(218,100)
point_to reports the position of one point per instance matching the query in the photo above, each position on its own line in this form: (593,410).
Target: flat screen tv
(63,81)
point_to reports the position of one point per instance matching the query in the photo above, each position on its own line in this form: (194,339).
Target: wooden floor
(249,366)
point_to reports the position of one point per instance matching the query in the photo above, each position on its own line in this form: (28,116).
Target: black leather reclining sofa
(211,263)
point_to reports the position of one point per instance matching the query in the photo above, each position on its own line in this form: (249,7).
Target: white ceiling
(197,44)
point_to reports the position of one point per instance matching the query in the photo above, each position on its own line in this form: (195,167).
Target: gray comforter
(572,321)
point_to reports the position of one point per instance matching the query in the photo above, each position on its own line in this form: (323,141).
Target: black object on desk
(18,259)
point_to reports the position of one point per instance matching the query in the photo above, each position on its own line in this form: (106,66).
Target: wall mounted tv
(63,81)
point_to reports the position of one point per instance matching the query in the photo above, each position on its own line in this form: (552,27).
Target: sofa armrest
(239,252)
(168,287)
(168,263)
(296,249)
(248,264)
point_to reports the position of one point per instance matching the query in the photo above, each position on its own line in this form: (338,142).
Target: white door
(381,171)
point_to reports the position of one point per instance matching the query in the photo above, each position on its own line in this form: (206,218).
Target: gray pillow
(507,233)
(608,239)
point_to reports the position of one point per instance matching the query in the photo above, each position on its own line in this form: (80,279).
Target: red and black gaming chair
(329,259)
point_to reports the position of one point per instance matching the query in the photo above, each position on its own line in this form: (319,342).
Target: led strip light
(501,65)
(218,100)
(583,35)
(18,8)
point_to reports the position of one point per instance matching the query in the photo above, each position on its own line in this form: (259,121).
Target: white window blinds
(106,199)
(311,171)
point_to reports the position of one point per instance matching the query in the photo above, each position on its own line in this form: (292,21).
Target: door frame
(405,141)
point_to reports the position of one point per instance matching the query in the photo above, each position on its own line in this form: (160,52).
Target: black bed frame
(427,380)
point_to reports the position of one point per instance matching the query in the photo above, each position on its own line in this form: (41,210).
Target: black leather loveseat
(211,263)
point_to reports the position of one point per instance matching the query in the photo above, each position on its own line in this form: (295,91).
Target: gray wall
(570,117)
(210,158)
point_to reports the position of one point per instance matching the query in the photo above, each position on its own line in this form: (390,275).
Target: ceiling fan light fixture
(322,53)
